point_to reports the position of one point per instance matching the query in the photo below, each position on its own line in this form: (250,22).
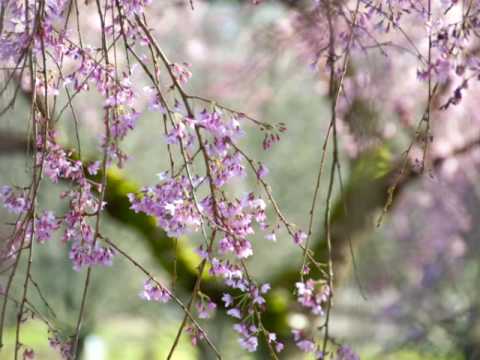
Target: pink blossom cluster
(28,354)
(205,307)
(45,225)
(346,353)
(196,199)
(14,202)
(181,72)
(179,208)
(15,39)
(83,204)
(57,163)
(153,291)
(196,335)
(306,344)
(171,204)
(117,91)
(401,47)
(64,347)
(84,254)
(133,7)
(313,295)
(248,336)
(245,307)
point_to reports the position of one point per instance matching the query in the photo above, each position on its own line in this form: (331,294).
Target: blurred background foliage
(400,298)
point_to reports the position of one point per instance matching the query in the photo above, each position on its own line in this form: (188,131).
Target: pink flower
(196,335)
(250,343)
(227,299)
(153,291)
(28,354)
(241,329)
(84,254)
(306,345)
(346,353)
(180,72)
(64,347)
(56,162)
(93,168)
(243,248)
(102,256)
(271,337)
(279,347)
(313,295)
(205,309)
(80,255)
(234,313)
(271,237)
(13,202)
(45,226)
(265,288)
(256,298)
(262,171)
(299,237)
(170,203)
